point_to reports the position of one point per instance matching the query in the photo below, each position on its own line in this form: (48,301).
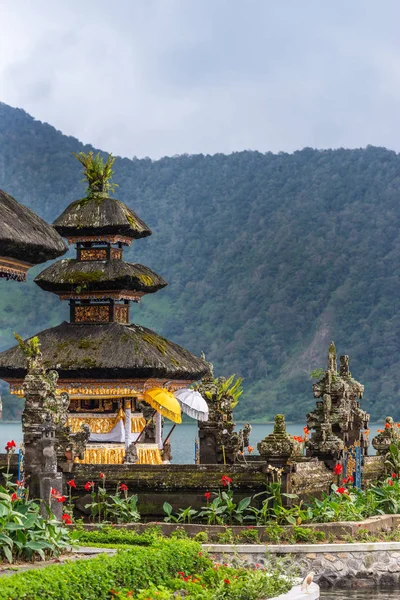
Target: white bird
(307,581)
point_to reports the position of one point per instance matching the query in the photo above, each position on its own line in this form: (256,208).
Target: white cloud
(156,77)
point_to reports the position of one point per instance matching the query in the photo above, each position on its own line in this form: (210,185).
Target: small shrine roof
(24,236)
(106,351)
(100,216)
(71,275)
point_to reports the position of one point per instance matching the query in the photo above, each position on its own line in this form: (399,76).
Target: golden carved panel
(116,253)
(121,313)
(93,254)
(92,313)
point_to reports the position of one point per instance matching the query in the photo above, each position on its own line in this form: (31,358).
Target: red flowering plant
(223,508)
(24,533)
(299,446)
(392,458)
(120,507)
(10,449)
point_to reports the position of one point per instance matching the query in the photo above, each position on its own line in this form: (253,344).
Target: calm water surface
(182,439)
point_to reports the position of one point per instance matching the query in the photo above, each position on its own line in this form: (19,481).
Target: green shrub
(249,536)
(201,537)
(93,579)
(226,537)
(111,535)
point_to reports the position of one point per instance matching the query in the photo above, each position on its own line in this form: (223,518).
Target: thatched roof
(25,236)
(107,351)
(100,216)
(69,274)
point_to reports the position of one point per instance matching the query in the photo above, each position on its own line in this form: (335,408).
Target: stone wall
(335,565)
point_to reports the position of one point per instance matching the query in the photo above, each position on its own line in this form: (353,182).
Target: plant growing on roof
(97,173)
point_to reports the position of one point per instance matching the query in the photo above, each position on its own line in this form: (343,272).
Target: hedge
(93,579)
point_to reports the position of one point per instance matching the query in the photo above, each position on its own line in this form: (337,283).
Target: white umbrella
(193,404)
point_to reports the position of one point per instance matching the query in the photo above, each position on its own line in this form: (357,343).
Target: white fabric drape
(128,426)
(158,430)
(117,434)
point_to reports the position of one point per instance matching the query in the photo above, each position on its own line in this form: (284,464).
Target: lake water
(182,439)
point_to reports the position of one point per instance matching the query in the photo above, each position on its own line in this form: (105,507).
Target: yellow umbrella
(165,403)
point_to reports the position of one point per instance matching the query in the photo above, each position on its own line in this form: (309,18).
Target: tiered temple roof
(25,239)
(100,349)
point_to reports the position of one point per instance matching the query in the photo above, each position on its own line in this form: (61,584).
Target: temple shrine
(25,239)
(120,377)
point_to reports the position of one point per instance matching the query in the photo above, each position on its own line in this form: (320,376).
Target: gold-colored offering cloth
(104,423)
(149,454)
(138,422)
(98,423)
(103,454)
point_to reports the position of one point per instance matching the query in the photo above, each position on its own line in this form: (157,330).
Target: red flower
(55,493)
(342,490)
(123,487)
(227,581)
(67,519)
(88,485)
(226,480)
(250,449)
(390,482)
(207,495)
(71,483)
(394,475)
(345,480)
(14,497)
(306,430)
(61,498)
(10,446)
(387,425)
(101,475)
(338,469)
(350,479)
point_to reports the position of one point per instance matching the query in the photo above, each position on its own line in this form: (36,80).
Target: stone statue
(337,420)
(46,411)
(277,445)
(382,441)
(218,440)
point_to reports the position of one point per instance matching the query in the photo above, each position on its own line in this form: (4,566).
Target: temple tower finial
(332,362)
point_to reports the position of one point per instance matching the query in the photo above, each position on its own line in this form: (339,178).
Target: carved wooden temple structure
(25,239)
(105,363)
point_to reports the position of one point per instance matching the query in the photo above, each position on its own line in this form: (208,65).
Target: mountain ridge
(268,257)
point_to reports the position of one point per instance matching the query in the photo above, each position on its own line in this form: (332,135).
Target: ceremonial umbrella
(165,403)
(193,404)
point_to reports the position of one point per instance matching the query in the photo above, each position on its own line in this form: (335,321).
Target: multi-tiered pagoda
(105,363)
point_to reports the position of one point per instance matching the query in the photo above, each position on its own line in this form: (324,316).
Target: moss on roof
(100,216)
(69,274)
(25,236)
(107,351)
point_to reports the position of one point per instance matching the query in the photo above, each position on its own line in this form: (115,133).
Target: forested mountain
(268,258)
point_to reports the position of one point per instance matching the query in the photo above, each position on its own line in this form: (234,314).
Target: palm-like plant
(97,173)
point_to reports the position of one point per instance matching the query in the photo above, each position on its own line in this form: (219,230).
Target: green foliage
(97,173)
(111,535)
(24,533)
(317,374)
(116,508)
(201,537)
(231,388)
(258,287)
(30,348)
(134,568)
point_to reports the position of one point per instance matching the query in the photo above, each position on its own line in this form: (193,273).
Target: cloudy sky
(164,77)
